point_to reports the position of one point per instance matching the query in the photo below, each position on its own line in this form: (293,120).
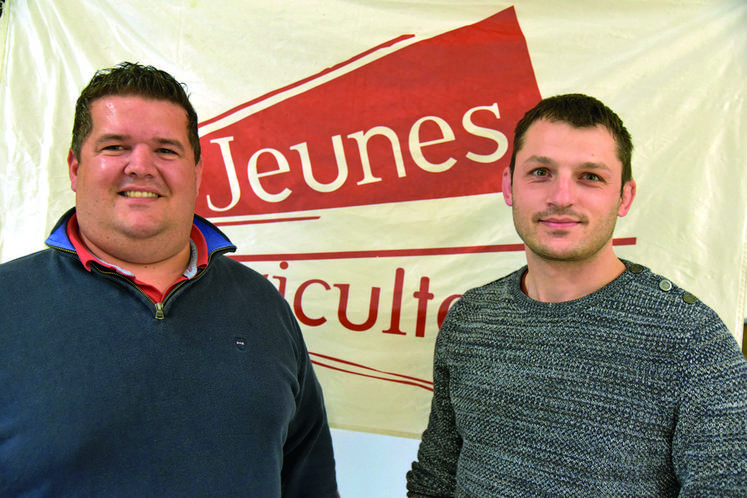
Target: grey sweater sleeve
(709,448)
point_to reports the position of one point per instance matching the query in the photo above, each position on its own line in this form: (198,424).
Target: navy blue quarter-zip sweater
(100,397)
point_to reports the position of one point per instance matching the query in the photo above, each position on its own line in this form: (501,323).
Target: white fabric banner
(354,149)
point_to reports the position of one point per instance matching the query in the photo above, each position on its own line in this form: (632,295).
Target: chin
(568,254)
(141,231)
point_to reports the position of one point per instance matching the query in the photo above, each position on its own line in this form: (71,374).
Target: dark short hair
(128,78)
(579,111)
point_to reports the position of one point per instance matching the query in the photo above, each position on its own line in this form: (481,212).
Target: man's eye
(113,149)
(166,151)
(592,177)
(540,172)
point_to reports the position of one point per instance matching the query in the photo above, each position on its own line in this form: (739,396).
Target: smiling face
(566,192)
(136,180)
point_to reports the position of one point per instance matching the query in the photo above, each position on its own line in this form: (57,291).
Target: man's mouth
(140,194)
(559,218)
(559,222)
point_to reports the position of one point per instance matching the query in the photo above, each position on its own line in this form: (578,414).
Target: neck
(159,273)
(560,281)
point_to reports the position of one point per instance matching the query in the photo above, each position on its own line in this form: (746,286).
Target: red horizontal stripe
(383,253)
(393,253)
(270,220)
(626,241)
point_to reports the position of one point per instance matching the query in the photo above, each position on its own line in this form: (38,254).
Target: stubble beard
(586,248)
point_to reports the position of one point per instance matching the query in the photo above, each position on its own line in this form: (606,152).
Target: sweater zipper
(160,314)
(159,311)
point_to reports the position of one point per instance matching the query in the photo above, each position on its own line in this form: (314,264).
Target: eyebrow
(172,142)
(544,160)
(110,137)
(117,137)
(540,160)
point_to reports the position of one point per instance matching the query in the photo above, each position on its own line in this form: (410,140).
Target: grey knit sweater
(635,390)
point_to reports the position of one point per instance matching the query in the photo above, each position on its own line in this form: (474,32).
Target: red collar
(87,258)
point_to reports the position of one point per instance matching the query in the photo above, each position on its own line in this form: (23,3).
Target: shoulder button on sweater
(636,268)
(665,285)
(689,298)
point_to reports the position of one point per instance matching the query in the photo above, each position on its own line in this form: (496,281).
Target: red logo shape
(422,120)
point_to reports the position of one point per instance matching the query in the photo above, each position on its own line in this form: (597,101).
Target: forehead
(562,141)
(138,112)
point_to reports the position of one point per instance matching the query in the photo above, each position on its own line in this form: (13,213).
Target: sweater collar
(217,241)
(575,305)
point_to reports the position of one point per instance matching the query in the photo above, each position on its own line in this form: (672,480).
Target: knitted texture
(635,390)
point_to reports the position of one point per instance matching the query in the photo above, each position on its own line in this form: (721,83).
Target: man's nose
(140,161)
(562,192)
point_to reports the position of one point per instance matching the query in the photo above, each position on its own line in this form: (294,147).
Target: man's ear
(72,168)
(506,187)
(198,174)
(626,199)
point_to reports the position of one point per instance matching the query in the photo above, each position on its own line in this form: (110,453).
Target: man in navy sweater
(136,359)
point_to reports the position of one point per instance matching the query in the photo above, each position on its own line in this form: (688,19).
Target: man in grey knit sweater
(581,374)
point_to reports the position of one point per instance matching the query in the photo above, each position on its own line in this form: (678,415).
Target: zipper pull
(159,311)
